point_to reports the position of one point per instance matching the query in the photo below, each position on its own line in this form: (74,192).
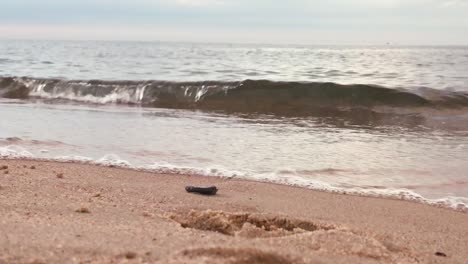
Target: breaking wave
(249,96)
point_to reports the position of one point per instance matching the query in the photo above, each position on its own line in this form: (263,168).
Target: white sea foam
(63,90)
(112,160)
(279,177)
(106,160)
(454,202)
(120,96)
(218,171)
(13,151)
(73,158)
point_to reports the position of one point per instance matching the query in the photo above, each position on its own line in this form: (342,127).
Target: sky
(360,22)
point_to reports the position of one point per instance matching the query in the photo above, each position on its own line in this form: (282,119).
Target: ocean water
(388,120)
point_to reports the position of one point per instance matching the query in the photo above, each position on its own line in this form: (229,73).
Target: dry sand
(74,213)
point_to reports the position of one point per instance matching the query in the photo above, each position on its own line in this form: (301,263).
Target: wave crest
(249,96)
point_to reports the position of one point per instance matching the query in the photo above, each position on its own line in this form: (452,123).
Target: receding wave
(454,202)
(258,96)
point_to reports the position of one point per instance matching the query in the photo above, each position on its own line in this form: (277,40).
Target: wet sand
(75,213)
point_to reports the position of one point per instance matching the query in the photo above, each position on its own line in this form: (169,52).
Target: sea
(387,121)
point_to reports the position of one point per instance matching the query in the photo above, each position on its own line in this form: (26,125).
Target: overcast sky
(426,22)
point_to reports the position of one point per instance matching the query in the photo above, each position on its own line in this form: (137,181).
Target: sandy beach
(76,213)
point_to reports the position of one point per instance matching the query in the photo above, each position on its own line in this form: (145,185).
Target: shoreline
(408,198)
(57,212)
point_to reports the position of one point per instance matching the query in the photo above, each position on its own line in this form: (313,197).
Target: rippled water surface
(435,67)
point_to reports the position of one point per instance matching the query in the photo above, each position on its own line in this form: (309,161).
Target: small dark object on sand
(130,255)
(211,190)
(83,210)
(440,254)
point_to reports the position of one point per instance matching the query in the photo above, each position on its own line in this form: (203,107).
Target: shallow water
(308,151)
(391,149)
